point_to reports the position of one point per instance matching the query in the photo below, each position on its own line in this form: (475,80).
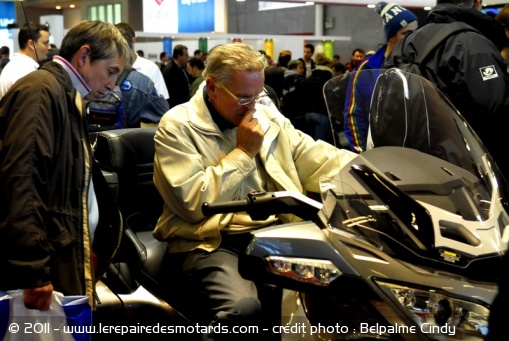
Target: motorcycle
(403,242)
(399,245)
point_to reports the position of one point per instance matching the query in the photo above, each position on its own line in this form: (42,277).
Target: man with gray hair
(220,146)
(59,227)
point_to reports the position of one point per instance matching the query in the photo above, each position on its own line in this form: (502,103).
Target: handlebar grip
(209,209)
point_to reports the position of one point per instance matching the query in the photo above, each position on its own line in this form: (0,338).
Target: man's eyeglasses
(242,100)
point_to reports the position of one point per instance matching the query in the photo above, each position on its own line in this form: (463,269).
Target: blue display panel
(195,16)
(7,14)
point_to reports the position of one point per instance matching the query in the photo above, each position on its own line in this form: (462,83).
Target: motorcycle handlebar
(261,205)
(209,209)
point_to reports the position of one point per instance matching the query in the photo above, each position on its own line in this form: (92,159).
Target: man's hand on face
(249,135)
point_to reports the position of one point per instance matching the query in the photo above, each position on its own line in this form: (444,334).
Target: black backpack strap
(123,75)
(437,39)
(438,35)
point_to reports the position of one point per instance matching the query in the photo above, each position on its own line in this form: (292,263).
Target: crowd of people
(228,123)
(298,87)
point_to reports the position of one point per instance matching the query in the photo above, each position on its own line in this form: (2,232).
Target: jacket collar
(60,74)
(76,79)
(199,114)
(216,116)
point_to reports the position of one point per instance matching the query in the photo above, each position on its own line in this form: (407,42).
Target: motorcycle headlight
(440,315)
(314,271)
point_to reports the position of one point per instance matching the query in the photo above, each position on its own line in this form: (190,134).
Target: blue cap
(394,17)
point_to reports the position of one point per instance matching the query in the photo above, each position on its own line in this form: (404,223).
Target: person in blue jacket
(397,22)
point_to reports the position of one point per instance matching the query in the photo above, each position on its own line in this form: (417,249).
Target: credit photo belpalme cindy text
(366,328)
(297,328)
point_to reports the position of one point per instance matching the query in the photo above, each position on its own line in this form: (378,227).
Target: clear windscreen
(425,185)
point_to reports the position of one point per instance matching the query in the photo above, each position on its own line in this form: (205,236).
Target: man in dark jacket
(307,60)
(291,99)
(311,89)
(176,77)
(274,75)
(58,225)
(469,69)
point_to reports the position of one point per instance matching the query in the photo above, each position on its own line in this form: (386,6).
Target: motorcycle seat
(126,157)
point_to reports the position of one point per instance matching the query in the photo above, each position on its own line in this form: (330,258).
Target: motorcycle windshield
(425,188)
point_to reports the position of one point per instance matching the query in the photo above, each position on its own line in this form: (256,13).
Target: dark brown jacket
(46,165)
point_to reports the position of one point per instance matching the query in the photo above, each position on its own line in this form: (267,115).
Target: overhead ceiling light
(371,6)
(72,5)
(58,7)
(427,8)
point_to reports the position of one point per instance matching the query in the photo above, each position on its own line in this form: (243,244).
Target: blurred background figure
(204,57)
(195,67)
(176,77)
(142,104)
(338,69)
(268,58)
(357,56)
(34,47)
(4,57)
(317,116)
(198,54)
(307,59)
(274,75)
(291,100)
(164,58)
(52,53)
(141,64)
(398,22)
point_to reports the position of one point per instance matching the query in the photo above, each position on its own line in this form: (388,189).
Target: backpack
(438,34)
(107,112)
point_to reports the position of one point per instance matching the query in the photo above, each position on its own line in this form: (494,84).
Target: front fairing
(427,191)
(419,209)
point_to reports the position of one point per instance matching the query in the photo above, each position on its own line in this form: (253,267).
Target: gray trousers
(211,292)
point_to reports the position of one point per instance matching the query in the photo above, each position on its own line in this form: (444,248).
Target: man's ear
(83,53)
(210,83)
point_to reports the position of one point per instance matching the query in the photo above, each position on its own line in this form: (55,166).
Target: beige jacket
(195,162)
